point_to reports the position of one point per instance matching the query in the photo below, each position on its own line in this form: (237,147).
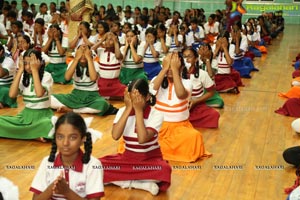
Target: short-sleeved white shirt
(148,57)
(128,61)
(203,81)
(9,65)
(86,180)
(170,42)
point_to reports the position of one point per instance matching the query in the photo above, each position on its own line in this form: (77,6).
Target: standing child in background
(152,49)
(7,73)
(201,116)
(132,66)
(84,98)
(178,139)
(70,173)
(55,46)
(34,121)
(110,59)
(139,124)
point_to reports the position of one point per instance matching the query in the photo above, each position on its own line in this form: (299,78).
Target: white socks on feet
(149,186)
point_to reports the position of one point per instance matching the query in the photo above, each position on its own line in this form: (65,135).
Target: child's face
(130,36)
(27,64)
(109,42)
(83,29)
(100,29)
(14,29)
(38,27)
(20,43)
(150,36)
(194,26)
(43,9)
(68,140)
(115,28)
(125,28)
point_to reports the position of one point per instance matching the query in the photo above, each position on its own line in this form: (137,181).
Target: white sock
(149,186)
(122,184)
(296,125)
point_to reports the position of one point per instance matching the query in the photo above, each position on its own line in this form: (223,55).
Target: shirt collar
(77,165)
(146,112)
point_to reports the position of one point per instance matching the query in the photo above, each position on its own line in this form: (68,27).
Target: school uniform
(178,140)
(46,17)
(127,20)
(170,42)
(57,65)
(226,77)
(9,66)
(34,121)
(84,96)
(86,180)
(151,65)
(198,33)
(109,70)
(202,116)
(142,31)
(139,161)
(131,70)
(211,29)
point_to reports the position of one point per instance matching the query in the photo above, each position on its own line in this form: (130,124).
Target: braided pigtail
(88,146)
(53,151)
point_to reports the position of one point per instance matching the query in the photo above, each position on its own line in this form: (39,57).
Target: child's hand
(60,185)
(56,34)
(35,63)
(127,99)
(50,33)
(21,64)
(166,62)
(224,43)
(138,102)
(175,63)
(79,52)
(87,53)
(133,41)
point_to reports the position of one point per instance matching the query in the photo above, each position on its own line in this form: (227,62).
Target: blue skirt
(152,69)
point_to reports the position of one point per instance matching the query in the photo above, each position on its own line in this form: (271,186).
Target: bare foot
(64,109)
(41,140)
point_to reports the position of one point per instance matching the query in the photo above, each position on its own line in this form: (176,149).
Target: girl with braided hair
(34,121)
(70,173)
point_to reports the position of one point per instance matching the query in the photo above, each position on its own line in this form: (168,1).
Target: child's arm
(119,127)
(118,53)
(60,49)
(160,77)
(71,70)
(91,66)
(180,90)
(225,44)
(138,102)
(99,43)
(14,88)
(136,58)
(35,66)
(45,48)
(73,43)
(47,194)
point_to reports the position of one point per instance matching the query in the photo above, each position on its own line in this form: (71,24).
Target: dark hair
(56,26)
(27,39)
(197,67)
(12,14)
(144,18)
(43,4)
(40,21)
(14,2)
(194,20)
(7,8)
(142,86)
(165,82)
(18,24)
(153,31)
(26,76)
(136,33)
(78,123)
(87,26)
(105,26)
(78,70)
(27,14)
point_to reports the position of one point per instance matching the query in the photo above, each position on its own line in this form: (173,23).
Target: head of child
(143,20)
(110,40)
(32,59)
(83,62)
(190,58)
(39,24)
(194,24)
(151,34)
(102,28)
(16,27)
(56,30)
(223,36)
(132,35)
(126,27)
(24,42)
(141,87)
(174,56)
(84,28)
(70,133)
(115,27)
(211,19)
(43,8)
(161,30)
(27,16)
(173,29)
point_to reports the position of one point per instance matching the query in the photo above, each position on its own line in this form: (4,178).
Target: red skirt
(137,166)
(225,82)
(111,87)
(202,116)
(296,73)
(290,108)
(249,54)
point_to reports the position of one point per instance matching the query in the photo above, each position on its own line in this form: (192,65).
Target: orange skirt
(294,92)
(262,49)
(179,141)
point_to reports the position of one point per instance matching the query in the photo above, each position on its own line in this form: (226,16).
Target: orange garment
(262,48)
(294,92)
(179,141)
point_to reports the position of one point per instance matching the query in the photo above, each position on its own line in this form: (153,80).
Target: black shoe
(111,110)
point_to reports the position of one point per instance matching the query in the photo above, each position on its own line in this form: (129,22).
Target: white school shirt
(80,41)
(53,54)
(169,22)
(29,96)
(148,57)
(202,82)
(170,42)
(223,67)
(152,119)
(128,61)
(109,65)
(86,180)
(46,17)
(9,65)
(173,108)
(84,82)
(254,37)
(3,30)
(199,32)
(211,29)
(244,43)
(129,20)
(142,31)
(189,38)
(122,38)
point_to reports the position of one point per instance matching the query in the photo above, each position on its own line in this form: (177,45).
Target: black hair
(161,27)
(105,26)
(78,123)
(79,70)
(26,76)
(136,33)
(18,24)
(27,14)
(43,4)
(142,86)
(153,31)
(87,26)
(194,20)
(7,8)
(28,40)
(12,14)
(14,2)
(40,21)
(56,26)
(144,18)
